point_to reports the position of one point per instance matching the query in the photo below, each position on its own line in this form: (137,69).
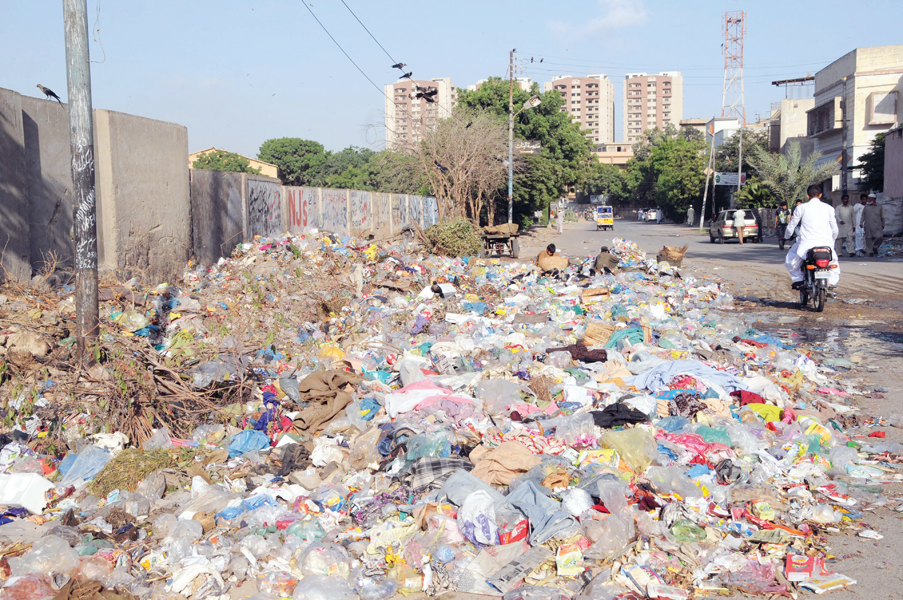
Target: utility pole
(708,173)
(843,135)
(81,142)
(740,159)
(511,138)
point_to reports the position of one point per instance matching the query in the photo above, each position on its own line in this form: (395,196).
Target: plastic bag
(377,587)
(636,447)
(246,441)
(160,439)
(277,583)
(48,555)
(326,559)
(476,519)
(90,461)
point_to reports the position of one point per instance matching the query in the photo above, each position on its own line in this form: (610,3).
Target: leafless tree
(463,158)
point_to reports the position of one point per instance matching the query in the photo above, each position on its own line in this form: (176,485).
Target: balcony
(825,119)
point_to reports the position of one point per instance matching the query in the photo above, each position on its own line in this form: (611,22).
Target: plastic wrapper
(50,554)
(636,447)
(327,559)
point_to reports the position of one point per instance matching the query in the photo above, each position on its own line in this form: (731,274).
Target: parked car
(722,227)
(649,215)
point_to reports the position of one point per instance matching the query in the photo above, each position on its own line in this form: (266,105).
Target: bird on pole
(49,93)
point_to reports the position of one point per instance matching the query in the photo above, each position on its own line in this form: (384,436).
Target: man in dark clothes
(606,262)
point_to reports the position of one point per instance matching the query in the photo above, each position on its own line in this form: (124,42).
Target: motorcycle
(816,270)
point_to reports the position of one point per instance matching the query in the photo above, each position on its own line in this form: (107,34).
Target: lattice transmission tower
(732,97)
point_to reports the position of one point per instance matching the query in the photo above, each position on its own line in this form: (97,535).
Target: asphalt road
(754,269)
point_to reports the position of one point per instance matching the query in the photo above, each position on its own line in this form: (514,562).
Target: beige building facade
(268,169)
(590,101)
(614,153)
(652,101)
(407,116)
(856,97)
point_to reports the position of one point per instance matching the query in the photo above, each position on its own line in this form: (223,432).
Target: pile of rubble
(329,418)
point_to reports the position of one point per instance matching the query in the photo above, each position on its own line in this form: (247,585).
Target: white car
(649,215)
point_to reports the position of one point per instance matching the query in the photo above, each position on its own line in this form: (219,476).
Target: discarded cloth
(327,395)
(658,377)
(617,414)
(633,335)
(582,353)
(547,517)
(501,465)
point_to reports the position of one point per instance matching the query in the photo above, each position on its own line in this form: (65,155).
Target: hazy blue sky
(237,73)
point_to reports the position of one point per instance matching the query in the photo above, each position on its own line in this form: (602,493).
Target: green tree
(298,160)
(872,165)
(609,181)
(787,175)
(220,160)
(755,194)
(677,165)
(348,169)
(565,157)
(727,155)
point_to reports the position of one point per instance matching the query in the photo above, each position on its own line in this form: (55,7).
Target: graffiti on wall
(381,211)
(303,206)
(264,208)
(399,211)
(415,209)
(335,211)
(430,211)
(360,212)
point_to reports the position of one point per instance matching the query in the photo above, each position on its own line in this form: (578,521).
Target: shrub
(457,237)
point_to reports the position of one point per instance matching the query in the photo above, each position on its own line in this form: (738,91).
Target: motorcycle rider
(818,227)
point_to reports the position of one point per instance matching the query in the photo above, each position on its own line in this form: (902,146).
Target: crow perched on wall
(49,93)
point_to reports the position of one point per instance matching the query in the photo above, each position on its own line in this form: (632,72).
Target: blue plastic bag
(246,441)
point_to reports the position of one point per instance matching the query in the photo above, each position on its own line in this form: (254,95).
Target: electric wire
(368,32)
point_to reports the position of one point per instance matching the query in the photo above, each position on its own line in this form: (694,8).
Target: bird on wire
(407,75)
(399,66)
(49,93)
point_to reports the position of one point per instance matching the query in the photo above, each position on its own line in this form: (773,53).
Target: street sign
(527,146)
(729,178)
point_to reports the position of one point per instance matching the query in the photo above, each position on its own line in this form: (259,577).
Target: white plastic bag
(476,519)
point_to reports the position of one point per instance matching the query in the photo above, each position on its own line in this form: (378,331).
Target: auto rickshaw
(604,218)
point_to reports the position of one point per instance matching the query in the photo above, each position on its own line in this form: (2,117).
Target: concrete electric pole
(81,142)
(511,138)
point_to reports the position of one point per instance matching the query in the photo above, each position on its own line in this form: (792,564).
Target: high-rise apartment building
(589,100)
(652,101)
(408,116)
(524,83)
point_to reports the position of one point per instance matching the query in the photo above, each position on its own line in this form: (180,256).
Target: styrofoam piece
(24,490)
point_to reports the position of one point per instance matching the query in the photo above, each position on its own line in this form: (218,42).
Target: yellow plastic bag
(636,446)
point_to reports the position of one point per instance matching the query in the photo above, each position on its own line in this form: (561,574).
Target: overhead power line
(370,34)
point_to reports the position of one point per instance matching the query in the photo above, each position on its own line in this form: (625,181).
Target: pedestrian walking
(859,232)
(781,218)
(873,225)
(845,231)
(691,216)
(740,223)
(658,216)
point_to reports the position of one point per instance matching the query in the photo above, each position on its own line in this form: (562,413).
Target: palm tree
(787,175)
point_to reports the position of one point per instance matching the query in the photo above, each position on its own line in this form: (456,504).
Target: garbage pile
(320,418)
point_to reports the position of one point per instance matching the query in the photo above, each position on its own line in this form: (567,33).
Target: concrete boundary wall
(230,208)
(141,183)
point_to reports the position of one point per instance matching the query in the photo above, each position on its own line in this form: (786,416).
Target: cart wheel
(515,248)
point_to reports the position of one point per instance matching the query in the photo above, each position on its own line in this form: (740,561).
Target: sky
(239,73)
